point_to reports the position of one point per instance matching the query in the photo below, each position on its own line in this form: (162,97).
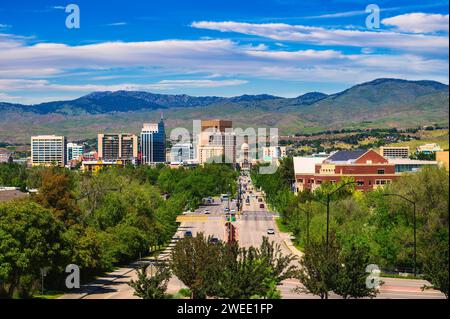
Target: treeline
(378,222)
(94,220)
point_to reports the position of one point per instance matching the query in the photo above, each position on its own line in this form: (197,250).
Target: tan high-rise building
(394,151)
(115,147)
(215,143)
(217,125)
(48,150)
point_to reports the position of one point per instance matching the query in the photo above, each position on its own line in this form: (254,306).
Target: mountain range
(378,103)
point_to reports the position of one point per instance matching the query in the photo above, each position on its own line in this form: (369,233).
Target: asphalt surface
(251,225)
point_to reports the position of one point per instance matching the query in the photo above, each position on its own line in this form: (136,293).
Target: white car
(270,231)
(207,211)
(233,211)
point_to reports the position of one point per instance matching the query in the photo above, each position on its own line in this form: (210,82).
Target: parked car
(270,231)
(207,211)
(261,205)
(260,200)
(187,234)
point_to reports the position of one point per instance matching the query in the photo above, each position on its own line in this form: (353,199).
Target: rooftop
(407,161)
(306,165)
(345,156)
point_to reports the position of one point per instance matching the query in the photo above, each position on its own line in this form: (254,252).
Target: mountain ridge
(381,103)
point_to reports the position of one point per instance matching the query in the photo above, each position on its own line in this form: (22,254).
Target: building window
(380,171)
(360,183)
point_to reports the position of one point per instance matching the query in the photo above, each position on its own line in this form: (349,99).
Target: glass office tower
(153,143)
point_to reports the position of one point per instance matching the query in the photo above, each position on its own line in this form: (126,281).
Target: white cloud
(419,22)
(323,36)
(116,24)
(40,85)
(48,67)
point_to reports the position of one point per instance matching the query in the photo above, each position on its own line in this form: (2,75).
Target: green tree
(350,279)
(153,285)
(30,239)
(56,193)
(194,262)
(318,267)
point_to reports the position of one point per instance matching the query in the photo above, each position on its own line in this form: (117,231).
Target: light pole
(327,204)
(414,223)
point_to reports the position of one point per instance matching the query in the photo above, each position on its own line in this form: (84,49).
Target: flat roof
(407,161)
(306,165)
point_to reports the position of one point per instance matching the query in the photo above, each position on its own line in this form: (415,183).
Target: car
(270,231)
(207,211)
(261,205)
(227,209)
(187,234)
(260,200)
(214,240)
(233,211)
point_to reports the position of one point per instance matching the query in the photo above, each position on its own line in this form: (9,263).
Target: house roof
(346,156)
(306,165)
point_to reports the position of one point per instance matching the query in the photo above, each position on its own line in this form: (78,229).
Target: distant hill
(378,103)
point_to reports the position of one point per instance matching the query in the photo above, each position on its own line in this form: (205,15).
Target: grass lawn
(50,294)
(281,227)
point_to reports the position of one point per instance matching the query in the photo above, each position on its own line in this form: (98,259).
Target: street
(251,225)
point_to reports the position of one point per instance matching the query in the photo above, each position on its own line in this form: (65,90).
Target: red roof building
(368,168)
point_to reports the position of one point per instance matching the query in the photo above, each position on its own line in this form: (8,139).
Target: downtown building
(216,142)
(121,147)
(153,143)
(48,150)
(271,153)
(395,151)
(181,153)
(74,151)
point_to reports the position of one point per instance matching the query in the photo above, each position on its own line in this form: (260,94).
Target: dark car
(261,205)
(213,240)
(187,234)
(260,200)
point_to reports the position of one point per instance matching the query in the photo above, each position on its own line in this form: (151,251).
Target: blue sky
(226,48)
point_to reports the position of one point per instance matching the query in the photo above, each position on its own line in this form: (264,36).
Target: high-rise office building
(74,151)
(48,150)
(216,142)
(118,147)
(153,143)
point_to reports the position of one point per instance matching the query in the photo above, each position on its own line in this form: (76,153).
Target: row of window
(358,183)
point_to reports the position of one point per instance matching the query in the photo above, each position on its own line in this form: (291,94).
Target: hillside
(379,103)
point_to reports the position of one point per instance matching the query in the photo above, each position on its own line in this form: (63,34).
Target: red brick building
(368,168)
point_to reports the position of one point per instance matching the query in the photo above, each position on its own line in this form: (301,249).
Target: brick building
(368,168)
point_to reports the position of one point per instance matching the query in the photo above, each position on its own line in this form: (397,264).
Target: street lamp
(327,204)
(414,222)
